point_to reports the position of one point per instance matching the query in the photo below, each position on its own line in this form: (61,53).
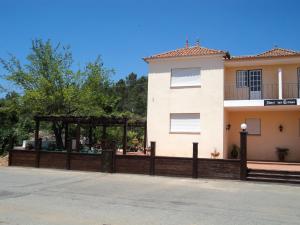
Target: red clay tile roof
(190,51)
(275,52)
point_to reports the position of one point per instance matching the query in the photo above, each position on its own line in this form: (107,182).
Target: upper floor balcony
(262,82)
(256,90)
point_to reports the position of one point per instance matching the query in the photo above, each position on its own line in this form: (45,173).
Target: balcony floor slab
(240,105)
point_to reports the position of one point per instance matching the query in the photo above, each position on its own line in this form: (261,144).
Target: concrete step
(274,171)
(274,180)
(274,175)
(277,176)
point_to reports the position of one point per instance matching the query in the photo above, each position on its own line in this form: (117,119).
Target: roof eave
(261,57)
(148,59)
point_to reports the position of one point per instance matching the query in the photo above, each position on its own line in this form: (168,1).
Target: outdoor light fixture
(228,126)
(243,126)
(280,128)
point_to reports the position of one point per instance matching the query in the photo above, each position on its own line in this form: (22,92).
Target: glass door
(255,84)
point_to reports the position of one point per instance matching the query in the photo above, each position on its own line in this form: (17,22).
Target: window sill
(182,132)
(181,87)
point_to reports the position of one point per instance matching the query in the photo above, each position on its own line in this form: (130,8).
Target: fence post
(10,157)
(69,147)
(145,138)
(152,158)
(195,160)
(125,126)
(107,160)
(114,164)
(38,153)
(243,154)
(37,144)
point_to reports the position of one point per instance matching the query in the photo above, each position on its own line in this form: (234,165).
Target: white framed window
(185,77)
(242,78)
(185,122)
(253,126)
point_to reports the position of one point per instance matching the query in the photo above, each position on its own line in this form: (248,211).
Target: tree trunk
(57,129)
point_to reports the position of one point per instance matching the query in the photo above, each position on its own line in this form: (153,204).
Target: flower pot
(282,153)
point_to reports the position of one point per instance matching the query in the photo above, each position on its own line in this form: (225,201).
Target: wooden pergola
(92,122)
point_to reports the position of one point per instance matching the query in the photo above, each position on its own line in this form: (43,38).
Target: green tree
(96,96)
(12,124)
(51,87)
(132,94)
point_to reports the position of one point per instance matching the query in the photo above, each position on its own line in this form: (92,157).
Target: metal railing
(267,91)
(290,90)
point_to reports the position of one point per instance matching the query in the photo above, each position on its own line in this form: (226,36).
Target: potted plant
(215,154)
(282,153)
(234,152)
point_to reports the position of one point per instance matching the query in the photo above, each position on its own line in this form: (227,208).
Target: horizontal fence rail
(267,91)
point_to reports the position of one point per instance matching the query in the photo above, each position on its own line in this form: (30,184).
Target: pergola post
(103,137)
(36,143)
(104,132)
(90,136)
(125,136)
(145,137)
(94,141)
(78,137)
(66,135)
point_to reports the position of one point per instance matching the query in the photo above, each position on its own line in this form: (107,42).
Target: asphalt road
(41,196)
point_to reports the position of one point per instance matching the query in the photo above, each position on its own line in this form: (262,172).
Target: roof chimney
(187,42)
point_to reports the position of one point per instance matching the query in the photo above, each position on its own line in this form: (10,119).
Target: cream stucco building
(196,94)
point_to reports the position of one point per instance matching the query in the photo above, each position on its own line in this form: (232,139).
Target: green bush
(234,152)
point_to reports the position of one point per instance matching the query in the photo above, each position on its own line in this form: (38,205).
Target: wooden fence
(109,162)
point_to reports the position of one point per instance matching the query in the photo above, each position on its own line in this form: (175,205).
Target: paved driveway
(41,196)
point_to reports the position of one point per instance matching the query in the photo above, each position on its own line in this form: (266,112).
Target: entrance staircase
(278,176)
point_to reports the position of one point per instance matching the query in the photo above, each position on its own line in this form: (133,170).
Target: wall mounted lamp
(228,126)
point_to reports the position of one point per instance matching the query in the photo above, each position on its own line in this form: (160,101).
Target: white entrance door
(255,84)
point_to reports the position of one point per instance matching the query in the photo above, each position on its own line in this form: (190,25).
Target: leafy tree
(47,81)
(132,93)
(51,87)
(96,97)
(12,126)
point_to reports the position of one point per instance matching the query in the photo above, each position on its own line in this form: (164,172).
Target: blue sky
(123,32)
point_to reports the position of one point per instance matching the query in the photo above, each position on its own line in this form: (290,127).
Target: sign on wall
(280,102)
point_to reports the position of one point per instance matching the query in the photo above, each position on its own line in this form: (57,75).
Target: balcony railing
(265,91)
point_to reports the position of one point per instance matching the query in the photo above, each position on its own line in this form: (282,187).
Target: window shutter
(185,77)
(185,122)
(253,126)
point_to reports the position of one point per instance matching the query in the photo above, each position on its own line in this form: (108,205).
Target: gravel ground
(30,196)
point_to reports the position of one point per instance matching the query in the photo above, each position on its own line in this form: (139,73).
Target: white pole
(280,83)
